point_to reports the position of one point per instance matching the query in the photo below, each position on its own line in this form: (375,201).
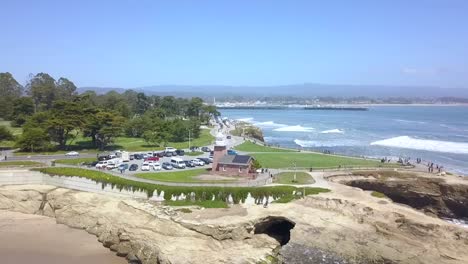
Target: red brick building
(230,165)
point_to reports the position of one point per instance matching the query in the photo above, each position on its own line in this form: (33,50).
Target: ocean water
(436,134)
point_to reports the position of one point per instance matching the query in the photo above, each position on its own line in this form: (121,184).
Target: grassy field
(310,160)
(202,193)
(178,176)
(288,177)
(248,146)
(20,163)
(76,161)
(14,130)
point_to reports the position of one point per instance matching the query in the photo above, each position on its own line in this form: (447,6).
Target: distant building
(230,165)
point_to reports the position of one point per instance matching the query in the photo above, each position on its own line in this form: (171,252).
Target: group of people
(430,167)
(385,160)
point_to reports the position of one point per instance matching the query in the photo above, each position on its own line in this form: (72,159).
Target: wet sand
(28,239)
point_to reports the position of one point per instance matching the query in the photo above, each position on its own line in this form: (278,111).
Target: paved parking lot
(165,159)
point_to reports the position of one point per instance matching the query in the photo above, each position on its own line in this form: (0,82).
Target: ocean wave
(333,131)
(297,128)
(424,144)
(269,124)
(245,119)
(321,143)
(409,121)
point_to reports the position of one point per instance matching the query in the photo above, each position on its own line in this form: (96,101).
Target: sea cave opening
(276,227)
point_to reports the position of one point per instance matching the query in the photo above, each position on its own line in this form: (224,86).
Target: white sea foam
(333,131)
(297,128)
(245,119)
(322,143)
(409,121)
(460,222)
(424,144)
(269,124)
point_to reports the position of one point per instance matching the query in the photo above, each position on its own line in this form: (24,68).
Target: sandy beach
(38,239)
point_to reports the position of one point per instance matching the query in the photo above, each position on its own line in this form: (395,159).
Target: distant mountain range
(296,90)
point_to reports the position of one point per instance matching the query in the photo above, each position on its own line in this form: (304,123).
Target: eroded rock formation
(346,226)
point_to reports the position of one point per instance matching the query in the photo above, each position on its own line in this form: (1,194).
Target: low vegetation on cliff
(193,194)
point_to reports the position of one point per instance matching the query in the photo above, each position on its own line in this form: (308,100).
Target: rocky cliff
(347,226)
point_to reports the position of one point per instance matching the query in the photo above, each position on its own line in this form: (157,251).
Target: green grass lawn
(16,131)
(288,177)
(20,163)
(178,176)
(311,160)
(76,161)
(248,146)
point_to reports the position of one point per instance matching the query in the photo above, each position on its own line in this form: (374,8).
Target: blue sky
(142,43)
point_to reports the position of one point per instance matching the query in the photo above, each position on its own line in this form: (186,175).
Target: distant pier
(339,108)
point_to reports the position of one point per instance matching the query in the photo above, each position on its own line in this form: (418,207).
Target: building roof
(235,160)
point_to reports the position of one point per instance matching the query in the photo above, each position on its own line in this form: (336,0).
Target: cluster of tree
(52,114)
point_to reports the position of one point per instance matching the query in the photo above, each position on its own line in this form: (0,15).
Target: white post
(189,130)
(295,170)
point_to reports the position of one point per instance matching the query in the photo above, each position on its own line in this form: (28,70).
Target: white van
(125,156)
(178,163)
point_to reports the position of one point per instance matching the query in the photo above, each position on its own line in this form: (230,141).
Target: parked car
(123,166)
(111,166)
(178,163)
(198,162)
(170,149)
(167,166)
(231,152)
(145,166)
(228,137)
(167,154)
(72,154)
(133,167)
(138,156)
(103,157)
(144,156)
(101,164)
(189,164)
(132,157)
(152,159)
(205,160)
(205,149)
(194,148)
(90,164)
(157,166)
(180,152)
(211,154)
(160,154)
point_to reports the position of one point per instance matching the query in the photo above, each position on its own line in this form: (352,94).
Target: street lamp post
(189,132)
